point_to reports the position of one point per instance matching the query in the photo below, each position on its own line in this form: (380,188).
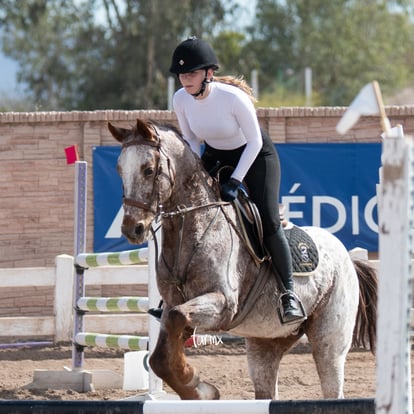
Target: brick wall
(36,185)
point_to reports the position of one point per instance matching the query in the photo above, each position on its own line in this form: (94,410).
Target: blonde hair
(239,82)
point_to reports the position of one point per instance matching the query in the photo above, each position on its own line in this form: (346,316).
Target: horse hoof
(206,391)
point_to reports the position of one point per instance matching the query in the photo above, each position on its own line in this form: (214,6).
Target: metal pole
(171,86)
(79,247)
(308,86)
(255,83)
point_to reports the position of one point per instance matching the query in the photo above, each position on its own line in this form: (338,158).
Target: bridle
(153,204)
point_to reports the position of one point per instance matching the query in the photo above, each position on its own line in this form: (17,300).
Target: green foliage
(347,43)
(99,54)
(70,60)
(280,95)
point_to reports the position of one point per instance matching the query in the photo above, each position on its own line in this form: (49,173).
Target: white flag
(394,132)
(365,103)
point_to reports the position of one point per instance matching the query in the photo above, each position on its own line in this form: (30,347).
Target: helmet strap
(203,86)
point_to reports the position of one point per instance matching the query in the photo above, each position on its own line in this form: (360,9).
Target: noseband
(153,205)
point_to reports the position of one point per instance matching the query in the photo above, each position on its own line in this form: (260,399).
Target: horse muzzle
(135,232)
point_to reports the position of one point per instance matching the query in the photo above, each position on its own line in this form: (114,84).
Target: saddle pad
(304,252)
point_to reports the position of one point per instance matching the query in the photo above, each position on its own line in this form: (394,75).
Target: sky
(9,68)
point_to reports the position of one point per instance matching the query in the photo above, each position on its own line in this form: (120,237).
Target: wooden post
(154,247)
(64,280)
(395,206)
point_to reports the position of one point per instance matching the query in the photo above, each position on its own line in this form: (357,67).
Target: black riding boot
(279,251)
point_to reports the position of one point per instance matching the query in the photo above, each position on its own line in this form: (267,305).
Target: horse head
(147,178)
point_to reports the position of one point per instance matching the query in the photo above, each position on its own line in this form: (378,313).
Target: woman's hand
(229,189)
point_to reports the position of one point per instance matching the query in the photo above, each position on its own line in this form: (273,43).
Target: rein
(179,278)
(182,210)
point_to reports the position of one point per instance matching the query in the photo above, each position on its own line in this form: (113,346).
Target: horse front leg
(168,359)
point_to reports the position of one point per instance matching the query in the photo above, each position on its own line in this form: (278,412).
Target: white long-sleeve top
(225,119)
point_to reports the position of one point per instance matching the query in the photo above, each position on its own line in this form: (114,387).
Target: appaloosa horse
(206,274)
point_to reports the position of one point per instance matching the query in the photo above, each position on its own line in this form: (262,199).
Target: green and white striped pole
(127,257)
(113,304)
(128,342)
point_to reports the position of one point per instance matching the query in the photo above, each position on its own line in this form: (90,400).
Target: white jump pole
(154,249)
(395,211)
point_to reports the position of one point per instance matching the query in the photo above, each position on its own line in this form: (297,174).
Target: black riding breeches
(262,179)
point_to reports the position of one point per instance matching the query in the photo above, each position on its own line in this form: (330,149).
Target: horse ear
(144,130)
(118,133)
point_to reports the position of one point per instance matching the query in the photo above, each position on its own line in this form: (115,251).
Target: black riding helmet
(191,55)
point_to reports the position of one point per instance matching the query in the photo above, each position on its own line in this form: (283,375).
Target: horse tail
(366,320)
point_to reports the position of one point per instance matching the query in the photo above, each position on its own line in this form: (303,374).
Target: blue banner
(107,205)
(327,185)
(333,186)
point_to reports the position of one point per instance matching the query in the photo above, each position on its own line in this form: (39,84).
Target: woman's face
(191,81)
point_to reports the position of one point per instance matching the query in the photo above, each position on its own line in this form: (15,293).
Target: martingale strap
(255,291)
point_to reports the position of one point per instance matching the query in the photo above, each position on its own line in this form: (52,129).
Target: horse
(205,273)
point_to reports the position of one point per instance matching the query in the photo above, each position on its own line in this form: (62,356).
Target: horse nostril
(139,229)
(132,229)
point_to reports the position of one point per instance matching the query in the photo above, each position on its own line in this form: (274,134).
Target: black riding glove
(229,189)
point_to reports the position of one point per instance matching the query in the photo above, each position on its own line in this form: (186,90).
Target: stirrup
(155,312)
(294,317)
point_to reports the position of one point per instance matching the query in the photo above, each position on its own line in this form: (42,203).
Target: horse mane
(165,125)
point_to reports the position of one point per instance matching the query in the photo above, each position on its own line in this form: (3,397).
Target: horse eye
(148,171)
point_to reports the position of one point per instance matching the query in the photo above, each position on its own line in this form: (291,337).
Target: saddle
(252,228)
(303,250)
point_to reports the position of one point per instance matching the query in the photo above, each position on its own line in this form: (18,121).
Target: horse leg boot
(279,251)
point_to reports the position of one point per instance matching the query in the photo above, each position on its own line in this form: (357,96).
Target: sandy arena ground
(224,365)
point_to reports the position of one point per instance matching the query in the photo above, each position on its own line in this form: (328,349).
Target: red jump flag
(72,154)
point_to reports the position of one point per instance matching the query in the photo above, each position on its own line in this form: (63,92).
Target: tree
(39,34)
(347,43)
(70,60)
(98,54)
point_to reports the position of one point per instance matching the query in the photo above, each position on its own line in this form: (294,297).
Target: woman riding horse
(210,283)
(220,112)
